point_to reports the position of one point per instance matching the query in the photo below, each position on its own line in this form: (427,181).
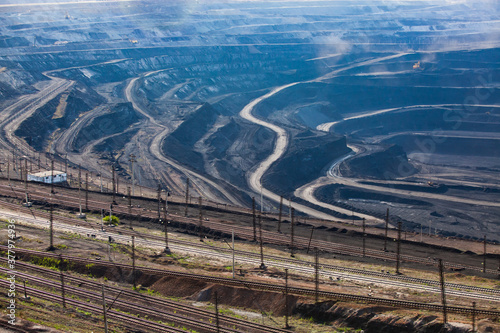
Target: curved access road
(326,127)
(156,143)
(334,177)
(282,140)
(306,192)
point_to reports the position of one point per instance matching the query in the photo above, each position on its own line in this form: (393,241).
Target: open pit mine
(378,112)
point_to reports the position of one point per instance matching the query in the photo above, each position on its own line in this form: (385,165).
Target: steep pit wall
(120,117)
(59,113)
(307,156)
(388,163)
(236,147)
(180,143)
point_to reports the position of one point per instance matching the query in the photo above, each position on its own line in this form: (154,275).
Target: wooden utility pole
(280,214)
(110,213)
(232,248)
(80,192)
(187,197)
(117,183)
(158,197)
(133,260)
(52,176)
(316,275)
(292,245)
(398,249)
(26,168)
(310,239)
(113,181)
(132,160)
(86,191)
(129,200)
(254,222)
(443,294)
(165,220)
(473,317)
(51,245)
(262,265)
(200,224)
(104,311)
(25,181)
(63,296)
(364,238)
(386,228)
(484,254)
(25,292)
(286,300)
(217,312)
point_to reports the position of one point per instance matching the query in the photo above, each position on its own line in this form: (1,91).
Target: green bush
(114,220)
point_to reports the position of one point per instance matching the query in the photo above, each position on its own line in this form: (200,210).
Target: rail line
(301,265)
(241,231)
(147,300)
(270,287)
(126,305)
(125,319)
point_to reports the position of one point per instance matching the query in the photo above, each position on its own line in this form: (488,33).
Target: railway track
(299,265)
(270,287)
(124,319)
(170,308)
(303,266)
(241,231)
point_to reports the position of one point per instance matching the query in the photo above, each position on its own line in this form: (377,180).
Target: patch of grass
(88,314)
(70,236)
(148,291)
(62,246)
(46,262)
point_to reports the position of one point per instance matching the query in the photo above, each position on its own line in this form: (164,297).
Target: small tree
(114,220)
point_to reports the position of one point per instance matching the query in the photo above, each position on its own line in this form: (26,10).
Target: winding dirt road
(160,132)
(334,176)
(282,141)
(281,144)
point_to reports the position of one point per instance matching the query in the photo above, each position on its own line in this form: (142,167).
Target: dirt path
(155,149)
(282,141)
